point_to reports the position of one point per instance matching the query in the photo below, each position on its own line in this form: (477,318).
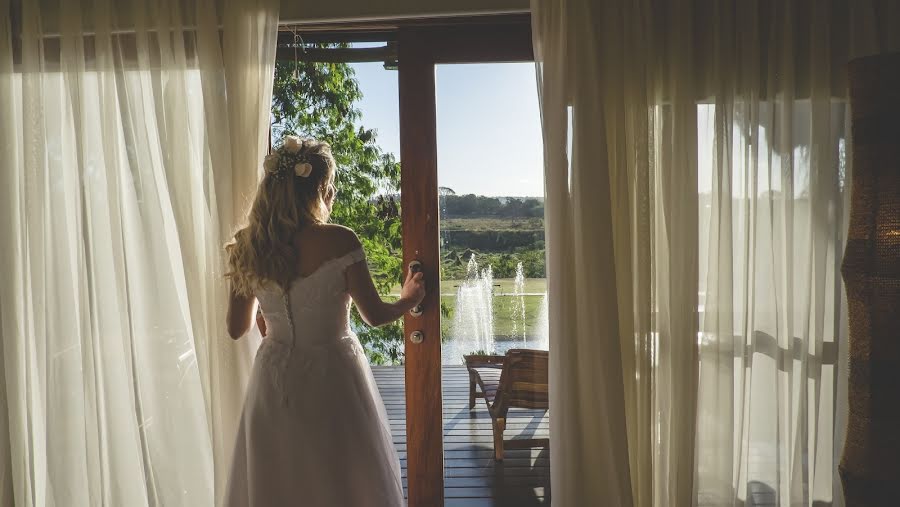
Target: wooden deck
(472,477)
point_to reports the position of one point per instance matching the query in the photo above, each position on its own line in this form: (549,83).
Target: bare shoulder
(341,239)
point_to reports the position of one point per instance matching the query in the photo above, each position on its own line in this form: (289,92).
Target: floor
(472,477)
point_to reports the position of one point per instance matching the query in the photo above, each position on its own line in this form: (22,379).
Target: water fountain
(473,317)
(472,329)
(518,306)
(542,327)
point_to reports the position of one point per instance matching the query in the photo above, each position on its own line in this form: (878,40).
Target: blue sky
(488,125)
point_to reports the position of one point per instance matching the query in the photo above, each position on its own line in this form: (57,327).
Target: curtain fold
(695,169)
(119,187)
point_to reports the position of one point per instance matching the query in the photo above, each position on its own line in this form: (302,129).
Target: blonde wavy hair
(290,196)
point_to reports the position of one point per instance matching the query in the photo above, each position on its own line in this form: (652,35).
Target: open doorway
(396,77)
(493,284)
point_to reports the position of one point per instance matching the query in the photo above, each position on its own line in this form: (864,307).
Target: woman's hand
(413,288)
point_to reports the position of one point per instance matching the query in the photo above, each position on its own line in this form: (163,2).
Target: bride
(314,431)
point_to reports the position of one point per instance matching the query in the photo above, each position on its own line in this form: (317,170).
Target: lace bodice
(319,304)
(309,321)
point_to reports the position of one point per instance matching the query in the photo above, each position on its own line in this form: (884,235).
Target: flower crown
(288,158)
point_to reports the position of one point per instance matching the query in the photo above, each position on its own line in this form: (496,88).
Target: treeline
(479,206)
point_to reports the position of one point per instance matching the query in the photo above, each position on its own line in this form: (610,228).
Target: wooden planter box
(483,360)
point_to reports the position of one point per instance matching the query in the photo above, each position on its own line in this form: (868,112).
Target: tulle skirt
(313,432)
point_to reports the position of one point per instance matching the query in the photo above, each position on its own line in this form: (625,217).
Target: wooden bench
(516,380)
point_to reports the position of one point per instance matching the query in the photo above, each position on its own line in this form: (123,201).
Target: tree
(318,100)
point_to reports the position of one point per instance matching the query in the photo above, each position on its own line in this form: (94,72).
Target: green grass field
(506,285)
(504,325)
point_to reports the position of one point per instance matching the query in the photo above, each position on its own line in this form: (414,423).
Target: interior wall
(368,10)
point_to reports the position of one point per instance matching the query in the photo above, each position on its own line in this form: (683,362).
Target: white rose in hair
(270,163)
(303,169)
(292,144)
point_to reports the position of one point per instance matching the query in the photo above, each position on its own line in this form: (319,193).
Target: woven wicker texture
(870,462)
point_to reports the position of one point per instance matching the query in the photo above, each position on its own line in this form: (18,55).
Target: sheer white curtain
(695,162)
(774,173)
(130,134)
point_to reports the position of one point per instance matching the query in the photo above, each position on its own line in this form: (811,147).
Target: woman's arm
(240,314)
(372,309)
(261,322)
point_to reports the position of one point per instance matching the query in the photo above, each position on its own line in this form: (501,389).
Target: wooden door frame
(419,217)
(419,50)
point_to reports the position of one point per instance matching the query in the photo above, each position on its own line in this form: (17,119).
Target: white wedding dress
(314,431)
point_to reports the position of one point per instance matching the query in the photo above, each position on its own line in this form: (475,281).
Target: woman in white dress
(314,431)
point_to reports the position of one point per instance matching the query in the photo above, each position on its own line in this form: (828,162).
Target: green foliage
(492,241)
(318,100)
(491,224)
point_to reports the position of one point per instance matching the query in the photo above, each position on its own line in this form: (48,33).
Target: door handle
(416,267)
